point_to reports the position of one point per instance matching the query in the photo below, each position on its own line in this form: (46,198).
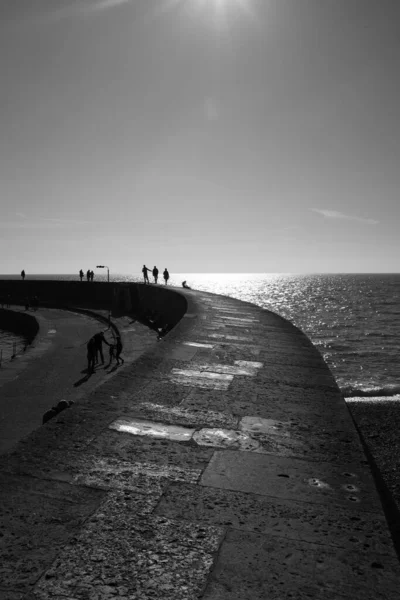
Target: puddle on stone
(226,438)
(249,363)
(153,429)
(259,427)
(241,319)
(212,381)
(195,378)
(198,345)
(230,337)
(228,369)
(318,483)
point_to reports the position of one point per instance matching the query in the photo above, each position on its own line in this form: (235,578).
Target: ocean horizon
(353,319)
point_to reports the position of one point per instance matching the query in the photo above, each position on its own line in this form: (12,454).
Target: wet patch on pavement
(195,378)
(152,429)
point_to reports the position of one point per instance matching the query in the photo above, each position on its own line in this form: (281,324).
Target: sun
(221,6)
(221,10)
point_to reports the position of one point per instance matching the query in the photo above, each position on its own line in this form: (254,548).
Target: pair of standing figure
(154,272)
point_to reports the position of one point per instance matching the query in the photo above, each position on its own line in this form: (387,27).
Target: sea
(353,319)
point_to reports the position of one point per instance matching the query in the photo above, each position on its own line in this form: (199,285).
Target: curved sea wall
(134,299)
(19,323)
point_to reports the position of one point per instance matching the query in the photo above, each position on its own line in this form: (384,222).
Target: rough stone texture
(291,513)
(294,479)
(37,519)
(290,519)
(268,566)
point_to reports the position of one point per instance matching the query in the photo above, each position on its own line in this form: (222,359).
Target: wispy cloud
(23,221)
(334,214)
(82,8)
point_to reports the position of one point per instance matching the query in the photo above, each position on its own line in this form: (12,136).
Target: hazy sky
(201,135)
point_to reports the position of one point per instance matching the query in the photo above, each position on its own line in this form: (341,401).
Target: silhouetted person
(145,271)
(185,285)
(91,354)
(23,274)
(81,274)
(91,275)
(98,342)
(88,274)
(115,350)
(155,274)
(118,350)
(166,276)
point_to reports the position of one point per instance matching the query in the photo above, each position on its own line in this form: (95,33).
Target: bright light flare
(222,10)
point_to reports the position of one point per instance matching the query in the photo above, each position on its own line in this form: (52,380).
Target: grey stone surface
(292,519)
(37,518)
(293,479)
(294,515)
(271,566)
(121,552)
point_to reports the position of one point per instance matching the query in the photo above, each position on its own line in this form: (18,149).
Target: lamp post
(108,281)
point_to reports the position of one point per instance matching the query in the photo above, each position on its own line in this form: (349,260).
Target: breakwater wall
(132,299)
(19,323)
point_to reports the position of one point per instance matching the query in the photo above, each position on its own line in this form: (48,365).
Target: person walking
(91,275)
(155,274)
(23,274)
(91,354)
(145,271)
(98,345)
(166,276)
(118,350)
(81,274)
(88,274)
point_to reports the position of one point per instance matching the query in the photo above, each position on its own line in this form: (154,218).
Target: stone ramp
(222,464)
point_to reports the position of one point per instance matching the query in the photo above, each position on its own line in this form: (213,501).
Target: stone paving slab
(37,519)
(293,479)
(267,566)
(291,519)
(292,512)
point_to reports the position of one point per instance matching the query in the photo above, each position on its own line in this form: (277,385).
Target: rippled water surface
(354,320)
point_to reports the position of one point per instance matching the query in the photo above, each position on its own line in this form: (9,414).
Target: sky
(200,135)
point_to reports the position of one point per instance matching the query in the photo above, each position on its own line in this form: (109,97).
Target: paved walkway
(222,464)
(54,368)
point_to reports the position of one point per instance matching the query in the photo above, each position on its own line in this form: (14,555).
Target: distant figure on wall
(166,276)
(23,274)
(145,275)
(91,275)
(185,285)
(81,274)
(155,274)
(88,274)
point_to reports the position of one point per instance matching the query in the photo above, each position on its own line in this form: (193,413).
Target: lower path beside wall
(222,465)
(54,368)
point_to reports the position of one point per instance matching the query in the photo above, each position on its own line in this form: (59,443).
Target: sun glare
(223,9)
